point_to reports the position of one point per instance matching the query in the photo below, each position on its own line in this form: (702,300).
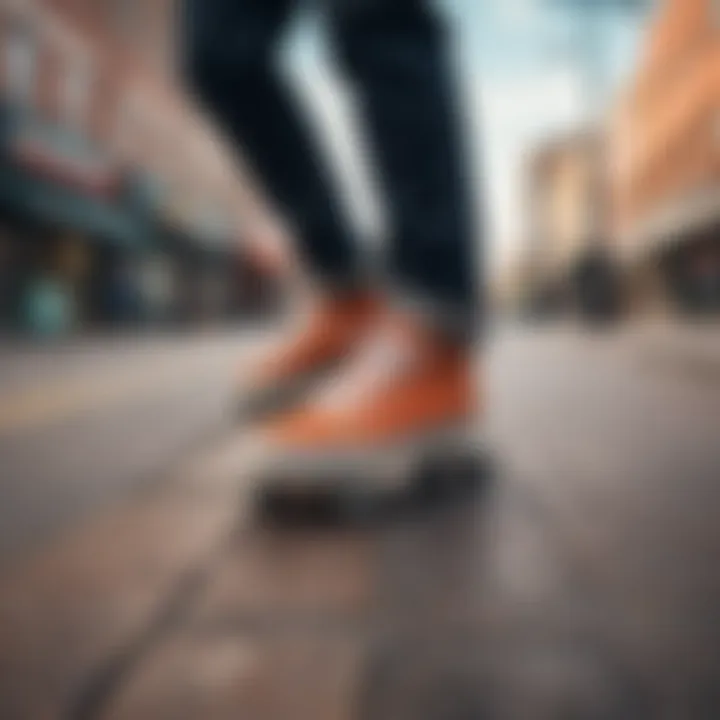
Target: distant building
(665,149)
(564,213)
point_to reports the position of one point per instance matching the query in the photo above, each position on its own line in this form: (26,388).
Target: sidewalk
(175,606)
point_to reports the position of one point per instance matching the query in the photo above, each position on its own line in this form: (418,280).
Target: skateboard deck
(436,479)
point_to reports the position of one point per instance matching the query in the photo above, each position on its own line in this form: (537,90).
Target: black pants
(395,55)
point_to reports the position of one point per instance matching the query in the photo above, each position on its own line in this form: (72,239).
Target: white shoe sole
(378,471)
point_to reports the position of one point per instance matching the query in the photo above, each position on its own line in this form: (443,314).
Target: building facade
(560,207)
(666,160)
(104,162)
(566,236)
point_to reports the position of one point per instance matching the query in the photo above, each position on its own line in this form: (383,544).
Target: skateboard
(436,479)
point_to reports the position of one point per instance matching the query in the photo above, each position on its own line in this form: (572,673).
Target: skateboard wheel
(450,474)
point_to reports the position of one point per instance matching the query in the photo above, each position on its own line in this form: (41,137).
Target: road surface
(582,583)
(86,423)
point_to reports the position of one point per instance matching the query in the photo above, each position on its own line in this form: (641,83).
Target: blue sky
(521,85)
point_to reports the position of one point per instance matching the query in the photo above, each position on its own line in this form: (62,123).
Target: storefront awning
(56,176)
(53,203)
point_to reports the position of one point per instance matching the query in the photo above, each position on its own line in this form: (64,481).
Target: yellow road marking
(64,400)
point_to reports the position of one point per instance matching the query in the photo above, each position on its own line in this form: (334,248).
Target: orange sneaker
(287,373)
(406,400)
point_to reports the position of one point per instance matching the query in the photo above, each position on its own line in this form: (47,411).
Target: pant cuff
(459,321)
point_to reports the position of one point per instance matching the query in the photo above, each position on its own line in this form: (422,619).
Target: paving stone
(300,576)
(82,602)
(234,677)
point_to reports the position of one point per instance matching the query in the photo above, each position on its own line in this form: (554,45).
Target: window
(76,90)
(21,64)
(123,138)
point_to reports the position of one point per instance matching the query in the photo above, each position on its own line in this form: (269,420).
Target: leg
(405,415)
(230,48)
(396,53)
(230,61)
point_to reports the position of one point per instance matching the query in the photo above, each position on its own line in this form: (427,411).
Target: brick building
(666,159)
(103,157)
(106,68)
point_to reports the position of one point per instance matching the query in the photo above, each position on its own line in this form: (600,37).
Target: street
(136,582)
(86,423)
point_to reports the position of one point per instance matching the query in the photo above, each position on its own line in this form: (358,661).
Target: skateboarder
(389,364)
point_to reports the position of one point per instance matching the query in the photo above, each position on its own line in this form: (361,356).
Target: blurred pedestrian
(399,355)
